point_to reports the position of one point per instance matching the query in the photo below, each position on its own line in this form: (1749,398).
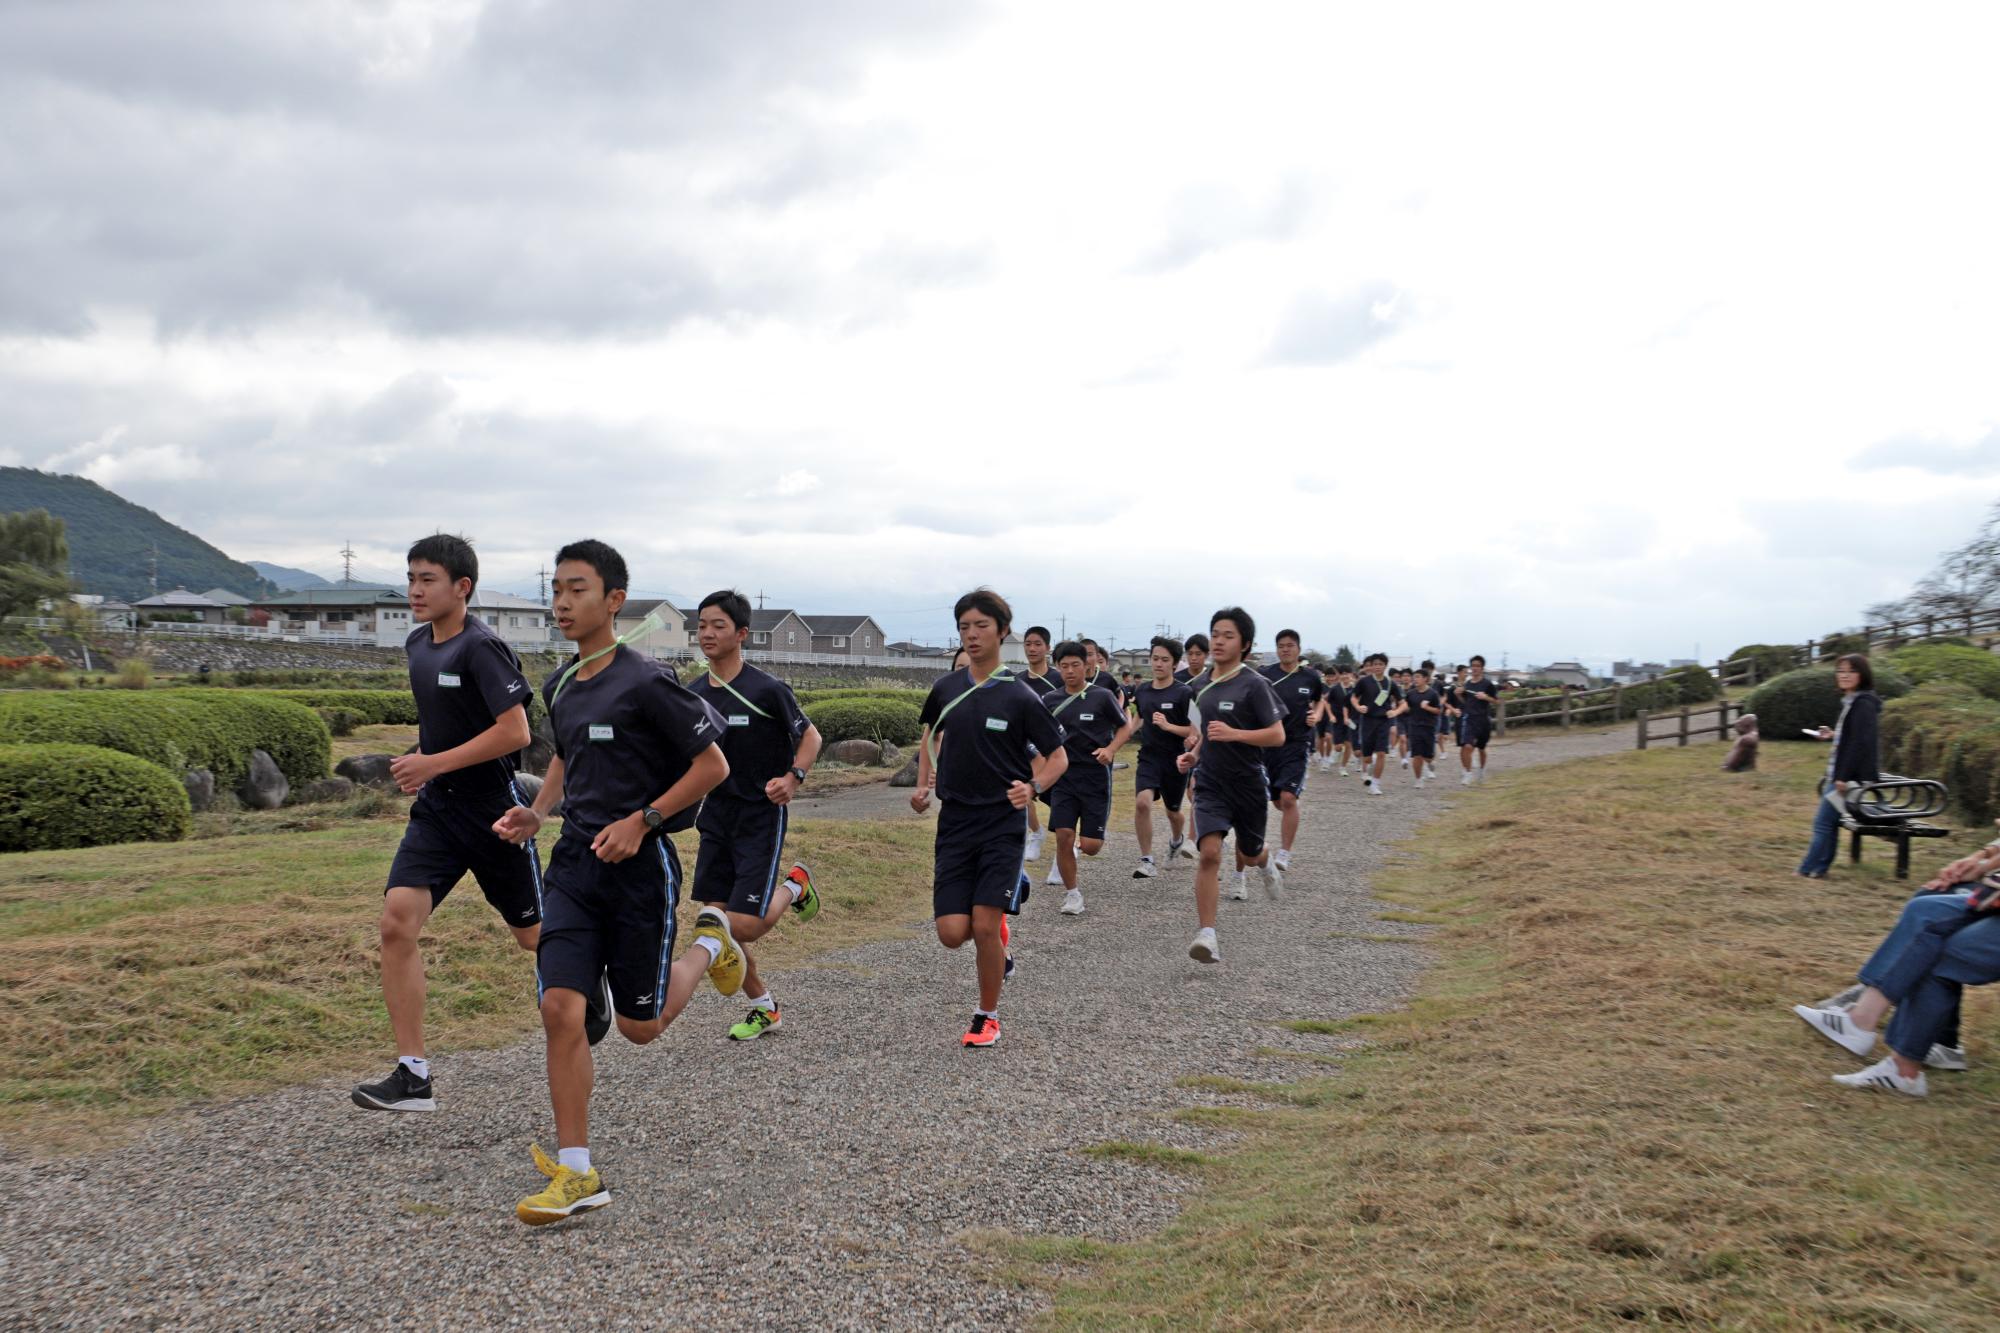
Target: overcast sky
(1556,332)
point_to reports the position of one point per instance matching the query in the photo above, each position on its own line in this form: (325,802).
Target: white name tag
(447,679)
(1086,717)
(1303,689)
(600,732)
(739,719)
(996,724)
(1225,706)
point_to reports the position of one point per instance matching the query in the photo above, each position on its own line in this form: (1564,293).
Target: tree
(34,560)
(1344,658)
(1966,580)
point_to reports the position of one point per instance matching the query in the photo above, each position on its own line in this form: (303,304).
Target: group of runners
(638,755)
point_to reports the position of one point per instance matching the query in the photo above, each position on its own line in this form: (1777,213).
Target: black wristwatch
(652,818)
(798,773)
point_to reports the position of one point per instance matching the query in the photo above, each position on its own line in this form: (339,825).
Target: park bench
(1892,807)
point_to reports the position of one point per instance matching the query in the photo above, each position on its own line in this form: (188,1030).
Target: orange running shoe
(983,1032)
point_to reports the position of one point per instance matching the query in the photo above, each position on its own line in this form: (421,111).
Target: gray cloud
(1980,458)
(549,169)
(1202,221)
(1321,330)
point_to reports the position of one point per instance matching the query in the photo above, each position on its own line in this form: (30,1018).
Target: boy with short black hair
(991,747)
(471,720)
(635,753)
(1299,689)
(1165,726)
(1044,680)
(1374,703)
(1094,726)
(1424,708)
(1097,665)
(1241,718)
(1475,700)
(770,746)
(1196,651)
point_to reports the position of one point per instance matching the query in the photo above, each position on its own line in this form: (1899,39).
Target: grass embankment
(1598,1110)
(139,977)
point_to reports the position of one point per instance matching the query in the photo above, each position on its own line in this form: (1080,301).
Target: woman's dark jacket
(1857,754)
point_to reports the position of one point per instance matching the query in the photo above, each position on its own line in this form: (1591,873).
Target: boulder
(367,770)
(263,786)
(892,755)
(530,786)
(326,789)
(907,775)
(855,751)
(200,784)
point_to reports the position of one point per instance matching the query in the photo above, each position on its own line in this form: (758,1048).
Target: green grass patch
(1147,1154)
(1598,1111)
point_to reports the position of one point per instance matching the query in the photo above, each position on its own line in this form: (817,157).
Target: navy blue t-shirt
(462,686)
(986,737)
(1246,701)
(1476,696)
(1047,684)
(1298,691)
(762,723)
(1417,717)
(1089,721)
(625,735)
(1374,698)
(1172,701)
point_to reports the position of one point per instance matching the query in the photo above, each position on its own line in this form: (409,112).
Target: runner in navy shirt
(1299,689)
(1196,651)
(1475,699)
(1426,709)
(770,747)
(1374,703)
(1165,727)
(1043,678)
(471,719)
(1094,727)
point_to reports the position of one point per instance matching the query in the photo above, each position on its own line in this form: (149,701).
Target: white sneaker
(1239,888)
(1274,881)
(1882,1077)
(1055,874)
(1282,858)
(1480,772)
(1145,868)
(1073,903)
(1034,848)
(1466,781)
(1184,848)
(1374,787)
(1343,770)
(1946,1057)
(1204,950)
(1406,763)
(1842,999)
(1838,1028)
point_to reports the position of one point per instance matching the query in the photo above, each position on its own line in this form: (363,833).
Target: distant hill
(288,579)
(111,540)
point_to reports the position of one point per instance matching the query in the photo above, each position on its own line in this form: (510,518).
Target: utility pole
(347,563)
(542,585)
(760,599)
(1063,632)
(155,575)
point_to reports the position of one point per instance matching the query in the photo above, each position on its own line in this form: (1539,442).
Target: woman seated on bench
(1939,946)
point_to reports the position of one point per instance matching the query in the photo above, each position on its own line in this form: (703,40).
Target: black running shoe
(597,1017)
(401,1091)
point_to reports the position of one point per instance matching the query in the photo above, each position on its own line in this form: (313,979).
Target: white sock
(576,1159)
(416,1064)
(1147,859)
(793,887)
(712,944)
(993,1014)
(764,1002)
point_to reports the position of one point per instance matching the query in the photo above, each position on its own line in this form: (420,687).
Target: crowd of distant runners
(1013,759)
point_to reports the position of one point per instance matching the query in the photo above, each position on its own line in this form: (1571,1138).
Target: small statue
(1743,754)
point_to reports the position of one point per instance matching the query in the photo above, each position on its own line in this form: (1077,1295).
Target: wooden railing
(1681,725)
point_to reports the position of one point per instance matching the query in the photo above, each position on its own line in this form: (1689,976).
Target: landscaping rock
(856,751)
(907,775)
(892,755)
(367,770)
(534,759)
(200,784)
(326,789)
(264,786)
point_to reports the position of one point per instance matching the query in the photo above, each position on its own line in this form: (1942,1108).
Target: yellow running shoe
(568,1193)
(727,969)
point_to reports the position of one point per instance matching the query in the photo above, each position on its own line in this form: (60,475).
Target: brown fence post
(1722,721)
(1565,708)
(1500,718)
(1684,726)
(1644,718)
(1617,703)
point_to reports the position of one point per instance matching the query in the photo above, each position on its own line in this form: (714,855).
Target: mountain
(287,578)
(112,540)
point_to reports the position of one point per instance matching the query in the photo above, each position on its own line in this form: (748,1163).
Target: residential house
(906,648)
(675,635)
(521,621)
(224,597)
(180,604)
(367,613)
(847,636)
(1011,652)
(1564,673)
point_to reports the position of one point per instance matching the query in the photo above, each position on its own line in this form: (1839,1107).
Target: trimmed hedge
(1772,659)
(1945,730)
(84,796)
(1923,663)
(862,692)
(1693,685)
(178,729)
(1809,698)
(889,721)
(374,707)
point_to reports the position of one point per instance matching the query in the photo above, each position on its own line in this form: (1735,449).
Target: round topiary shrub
(1786,706)
(1833,645)
(339,721)
(214,729)
(1692,684)
(84,796)
(1923,663)
(887,721)
(1771,659)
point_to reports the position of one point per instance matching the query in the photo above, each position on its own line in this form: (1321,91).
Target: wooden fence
(1682,726)
(1974,625)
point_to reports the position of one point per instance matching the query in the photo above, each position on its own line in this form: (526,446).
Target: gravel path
(815,1179)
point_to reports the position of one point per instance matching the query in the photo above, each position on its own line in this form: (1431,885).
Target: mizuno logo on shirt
(446,678)
(600,732)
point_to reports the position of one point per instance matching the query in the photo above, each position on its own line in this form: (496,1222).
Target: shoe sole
(541,1217)
(965,1045)
(772,1027)
(367,1103)
(1204,953)
(803,912)
(1072,911)
(1144,874)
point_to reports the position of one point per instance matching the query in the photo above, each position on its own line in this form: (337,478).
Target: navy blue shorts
(610,917)
(1374,736)
(978,859)
(1322,728)
(1219,808)
(451,835)
(1475,731)
(742,846)
(1423,743)
(1081,799)
(1285,768)
(1157,772)
(1343,734)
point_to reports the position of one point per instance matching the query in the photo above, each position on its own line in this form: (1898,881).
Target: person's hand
(1159,719)
(620,841)
(1184,761)
(920,799)
(518,825)
(1826,733)
(1104,754)
(1019,794)
(780,790)
(1840,787)
(412,771)
(1220,731)
(1958,872)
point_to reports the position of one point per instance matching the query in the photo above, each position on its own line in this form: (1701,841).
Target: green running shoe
(807,902)
(755,1024)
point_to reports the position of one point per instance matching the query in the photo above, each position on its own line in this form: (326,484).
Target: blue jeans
(1936,950)
(1825,840)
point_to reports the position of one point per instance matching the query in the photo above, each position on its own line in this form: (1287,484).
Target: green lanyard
(1068,699)
(943,713)
(739,698)
(640,631)
(1217,680)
